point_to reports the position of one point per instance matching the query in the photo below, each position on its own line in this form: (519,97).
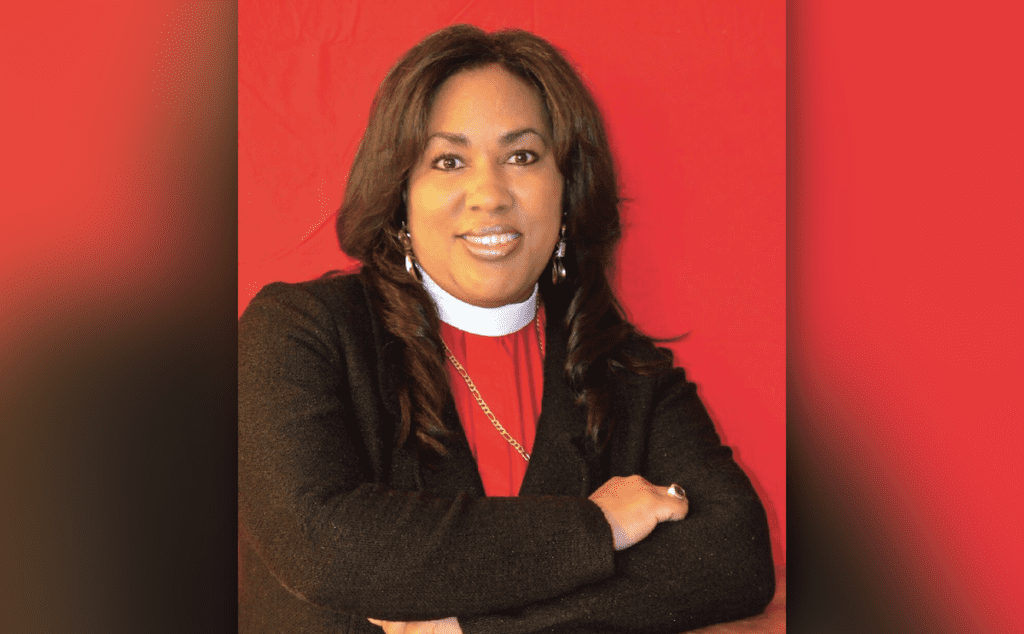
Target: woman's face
(485,198)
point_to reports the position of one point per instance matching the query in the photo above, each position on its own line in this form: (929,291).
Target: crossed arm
(336,535)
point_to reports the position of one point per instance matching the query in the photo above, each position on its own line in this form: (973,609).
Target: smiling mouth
(491,245)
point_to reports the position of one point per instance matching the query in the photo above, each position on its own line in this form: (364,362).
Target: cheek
(429,208)
(545,198)
(546,212)
(552,216)
(433,195)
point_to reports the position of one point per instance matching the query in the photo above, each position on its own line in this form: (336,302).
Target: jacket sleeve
(711,567)
(314,505)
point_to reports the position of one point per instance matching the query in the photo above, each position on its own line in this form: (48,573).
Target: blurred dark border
(118,346)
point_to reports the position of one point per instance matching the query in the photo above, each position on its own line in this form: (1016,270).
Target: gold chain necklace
(480,400)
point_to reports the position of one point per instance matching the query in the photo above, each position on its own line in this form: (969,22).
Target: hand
(442,626)
(633,507)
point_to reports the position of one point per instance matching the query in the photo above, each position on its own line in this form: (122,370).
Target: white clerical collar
(490,322)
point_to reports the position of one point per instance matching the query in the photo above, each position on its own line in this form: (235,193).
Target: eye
(523,157)
(447,163)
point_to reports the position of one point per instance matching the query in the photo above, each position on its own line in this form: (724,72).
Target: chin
(492,296)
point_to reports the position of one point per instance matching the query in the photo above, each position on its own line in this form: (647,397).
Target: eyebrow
(515,135)
(506,139)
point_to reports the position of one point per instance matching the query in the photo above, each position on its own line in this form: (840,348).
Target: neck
(490,322)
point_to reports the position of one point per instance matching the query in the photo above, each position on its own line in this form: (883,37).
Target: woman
(468,435)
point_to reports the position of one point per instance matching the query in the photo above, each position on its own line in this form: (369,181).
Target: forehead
(484,102)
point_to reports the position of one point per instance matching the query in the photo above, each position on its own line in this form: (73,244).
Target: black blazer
(337,523)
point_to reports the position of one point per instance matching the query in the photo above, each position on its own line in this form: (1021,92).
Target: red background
(694,100)
(117,328)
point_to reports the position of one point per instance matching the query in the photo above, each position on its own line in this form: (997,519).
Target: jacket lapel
(563,461)
(456,473)
(450,475)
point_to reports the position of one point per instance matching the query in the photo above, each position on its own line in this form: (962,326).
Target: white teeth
(492,239)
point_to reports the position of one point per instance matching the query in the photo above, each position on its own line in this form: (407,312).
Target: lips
(491,243)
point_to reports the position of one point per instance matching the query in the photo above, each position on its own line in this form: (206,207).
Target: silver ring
(677,491)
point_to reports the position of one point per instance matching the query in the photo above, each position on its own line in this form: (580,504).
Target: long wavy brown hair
(373,211)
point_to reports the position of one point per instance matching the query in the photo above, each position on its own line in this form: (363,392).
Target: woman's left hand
(442,626)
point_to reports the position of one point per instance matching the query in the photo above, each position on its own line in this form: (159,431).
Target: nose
(487,190)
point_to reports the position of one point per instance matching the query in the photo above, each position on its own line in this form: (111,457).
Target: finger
(670,505)
(672,509)
(389,627)
(449,625)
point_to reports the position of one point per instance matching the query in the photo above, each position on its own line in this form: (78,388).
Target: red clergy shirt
(508,372)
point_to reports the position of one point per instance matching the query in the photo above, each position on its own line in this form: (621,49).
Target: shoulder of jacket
(340,299)
(330,290)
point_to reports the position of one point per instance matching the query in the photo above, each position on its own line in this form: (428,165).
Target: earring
(557,268)
(410,261)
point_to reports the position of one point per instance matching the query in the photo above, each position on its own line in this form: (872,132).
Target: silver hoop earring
(410,260)
(557,267)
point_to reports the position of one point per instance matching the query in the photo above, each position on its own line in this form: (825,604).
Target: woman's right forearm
(398,555)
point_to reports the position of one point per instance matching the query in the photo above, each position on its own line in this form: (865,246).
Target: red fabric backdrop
(694,99)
